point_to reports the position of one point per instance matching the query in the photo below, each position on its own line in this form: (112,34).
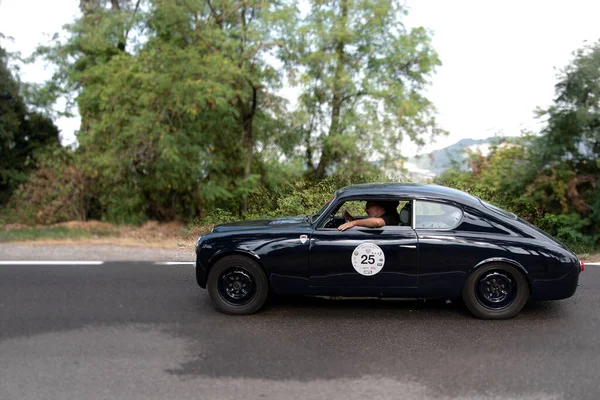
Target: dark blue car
(447,244)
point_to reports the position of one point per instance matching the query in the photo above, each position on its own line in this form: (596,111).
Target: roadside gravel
(73,252)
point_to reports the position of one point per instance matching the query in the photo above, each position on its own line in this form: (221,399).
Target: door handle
(408,246)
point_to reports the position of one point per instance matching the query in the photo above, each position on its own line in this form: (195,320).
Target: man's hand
(347,225)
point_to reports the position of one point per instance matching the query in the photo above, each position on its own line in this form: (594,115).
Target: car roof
(413,190)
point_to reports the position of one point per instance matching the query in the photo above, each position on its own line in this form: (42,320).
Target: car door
(364,257)
(446,253)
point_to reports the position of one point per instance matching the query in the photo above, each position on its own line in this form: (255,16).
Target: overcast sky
(500,58)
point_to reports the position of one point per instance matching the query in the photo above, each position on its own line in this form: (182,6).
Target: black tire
(237,285)
(496,291)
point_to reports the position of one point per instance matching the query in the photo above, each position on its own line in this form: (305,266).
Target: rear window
(498,210)
(431,215)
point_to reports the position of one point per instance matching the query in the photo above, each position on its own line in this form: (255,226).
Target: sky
(500,58)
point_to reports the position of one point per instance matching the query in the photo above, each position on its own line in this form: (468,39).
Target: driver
(379,213)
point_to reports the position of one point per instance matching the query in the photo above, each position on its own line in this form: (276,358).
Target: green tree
(244,34)
(551,179)
(178,101)
(571,139)
(568,166)
(102,32)
(171,124)
(362,75)
(572,133)
(22,133)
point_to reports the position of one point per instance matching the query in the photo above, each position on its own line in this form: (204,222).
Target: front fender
(203,265)
(226,252)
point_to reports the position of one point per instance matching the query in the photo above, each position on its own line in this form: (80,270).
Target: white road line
(33,262)
(176,263)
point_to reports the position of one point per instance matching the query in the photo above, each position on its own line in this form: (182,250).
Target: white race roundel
(368,259)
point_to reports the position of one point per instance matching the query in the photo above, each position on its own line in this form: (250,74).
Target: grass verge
(152,234)
(56,233)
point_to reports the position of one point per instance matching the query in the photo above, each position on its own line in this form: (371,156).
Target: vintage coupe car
(448,245)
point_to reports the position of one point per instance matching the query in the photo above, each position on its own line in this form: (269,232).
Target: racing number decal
(368,259)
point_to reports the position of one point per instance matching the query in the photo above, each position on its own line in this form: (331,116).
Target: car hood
(275,223)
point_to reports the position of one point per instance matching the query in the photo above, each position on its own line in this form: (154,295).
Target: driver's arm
(366,222)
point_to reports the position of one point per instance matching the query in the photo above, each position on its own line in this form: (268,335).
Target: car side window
(432,215)
(356,209)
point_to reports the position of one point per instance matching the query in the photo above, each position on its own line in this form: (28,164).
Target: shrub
(57,191)
(287,199)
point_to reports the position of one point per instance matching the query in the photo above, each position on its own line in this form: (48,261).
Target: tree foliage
(552,178)
(22,133)
(180,117)
(179,102)
(362,75)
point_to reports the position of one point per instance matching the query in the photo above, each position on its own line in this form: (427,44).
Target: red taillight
(582,266)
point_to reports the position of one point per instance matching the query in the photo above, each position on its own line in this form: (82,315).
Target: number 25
(370,259)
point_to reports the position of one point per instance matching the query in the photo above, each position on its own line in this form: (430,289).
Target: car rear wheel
(496,291)
(237,285)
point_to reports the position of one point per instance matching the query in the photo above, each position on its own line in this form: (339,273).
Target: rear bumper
(559,288)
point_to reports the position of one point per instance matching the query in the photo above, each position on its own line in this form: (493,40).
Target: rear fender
(506,261)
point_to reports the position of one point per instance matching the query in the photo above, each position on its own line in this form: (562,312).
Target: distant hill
(427,166)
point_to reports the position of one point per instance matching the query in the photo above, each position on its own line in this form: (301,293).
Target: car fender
(227,252)
(502,260)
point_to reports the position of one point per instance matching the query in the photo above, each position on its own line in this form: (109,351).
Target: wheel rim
(236,286)
(496,289)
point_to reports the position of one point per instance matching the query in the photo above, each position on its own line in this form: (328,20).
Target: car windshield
(313,217)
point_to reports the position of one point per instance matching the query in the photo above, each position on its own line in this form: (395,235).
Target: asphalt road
(146,331)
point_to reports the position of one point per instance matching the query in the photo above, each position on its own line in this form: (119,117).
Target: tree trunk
(248,140)
(247,112)
(327,155)
(116,7)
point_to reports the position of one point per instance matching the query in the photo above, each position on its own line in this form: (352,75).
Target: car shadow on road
(305,306)
(314,306)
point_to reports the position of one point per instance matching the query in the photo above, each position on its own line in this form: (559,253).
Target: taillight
(582,266)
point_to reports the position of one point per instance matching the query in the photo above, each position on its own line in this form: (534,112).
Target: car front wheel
(237,285)
(496,291)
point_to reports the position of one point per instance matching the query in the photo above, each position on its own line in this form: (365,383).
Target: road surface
(142,330)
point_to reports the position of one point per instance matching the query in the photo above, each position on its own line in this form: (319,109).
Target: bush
(122,205)
(288,199)
(546,197)
(568,229)
(57,191)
